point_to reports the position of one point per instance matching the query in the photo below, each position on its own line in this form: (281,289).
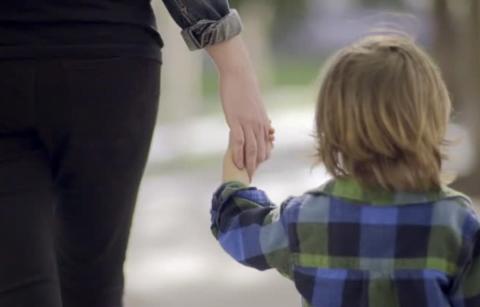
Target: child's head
(382,114)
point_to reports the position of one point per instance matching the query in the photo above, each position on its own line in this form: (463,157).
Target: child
(385,231)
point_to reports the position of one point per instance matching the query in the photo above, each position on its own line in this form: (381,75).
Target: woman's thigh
(106,111)
(28,275)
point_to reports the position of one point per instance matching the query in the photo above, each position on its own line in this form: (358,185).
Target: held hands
(231,172)
(244,111)
(248,121)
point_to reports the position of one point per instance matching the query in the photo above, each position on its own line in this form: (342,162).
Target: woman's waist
(70,34)
(48,40)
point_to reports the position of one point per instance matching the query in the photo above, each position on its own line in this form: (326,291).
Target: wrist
(231,57)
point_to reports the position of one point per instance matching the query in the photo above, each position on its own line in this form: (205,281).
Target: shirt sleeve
(467,292)
(250,228)
(204,22)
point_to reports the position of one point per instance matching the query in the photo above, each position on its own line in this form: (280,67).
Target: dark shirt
(85,28)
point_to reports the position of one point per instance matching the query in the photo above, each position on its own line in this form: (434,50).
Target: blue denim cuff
(210,32)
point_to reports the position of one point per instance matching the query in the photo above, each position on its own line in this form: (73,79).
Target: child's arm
(250,228)
(246,223)
(467,293)
(231,172)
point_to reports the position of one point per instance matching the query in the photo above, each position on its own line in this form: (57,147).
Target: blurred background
(173,260)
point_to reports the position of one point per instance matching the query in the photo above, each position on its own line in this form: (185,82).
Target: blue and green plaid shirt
(344,246)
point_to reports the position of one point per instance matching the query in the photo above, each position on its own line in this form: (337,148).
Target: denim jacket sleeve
(204,22)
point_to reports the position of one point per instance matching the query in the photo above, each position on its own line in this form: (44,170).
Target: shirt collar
(351,189)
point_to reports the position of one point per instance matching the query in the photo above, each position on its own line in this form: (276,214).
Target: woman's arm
(242,104)
(211,24)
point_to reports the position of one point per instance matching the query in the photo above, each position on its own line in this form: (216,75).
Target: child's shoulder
(307,207)
(456,203)
(452,195)
(445,207)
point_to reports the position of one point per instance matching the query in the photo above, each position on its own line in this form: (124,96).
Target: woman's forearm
(242,103)
(231,57)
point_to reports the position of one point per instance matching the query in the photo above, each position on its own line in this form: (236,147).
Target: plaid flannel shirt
(344,246)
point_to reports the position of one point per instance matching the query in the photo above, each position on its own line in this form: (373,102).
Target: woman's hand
(244,110)
(231,172)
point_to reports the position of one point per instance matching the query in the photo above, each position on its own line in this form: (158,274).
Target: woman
(79,88)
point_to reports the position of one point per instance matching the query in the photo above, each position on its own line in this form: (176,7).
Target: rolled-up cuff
(221,196)
(210,32)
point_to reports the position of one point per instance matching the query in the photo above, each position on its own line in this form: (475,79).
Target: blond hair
(382,114)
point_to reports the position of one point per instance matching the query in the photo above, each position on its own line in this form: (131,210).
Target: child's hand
(232,173)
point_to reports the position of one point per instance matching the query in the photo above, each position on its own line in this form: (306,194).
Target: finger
(271,134)
(261,145)
(270,127)
(269,151)
(268,148)
(250,151)
(237,143)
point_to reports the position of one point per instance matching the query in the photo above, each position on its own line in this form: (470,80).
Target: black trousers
(74,139)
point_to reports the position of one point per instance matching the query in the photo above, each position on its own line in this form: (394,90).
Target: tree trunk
(470,183)
(446,50)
